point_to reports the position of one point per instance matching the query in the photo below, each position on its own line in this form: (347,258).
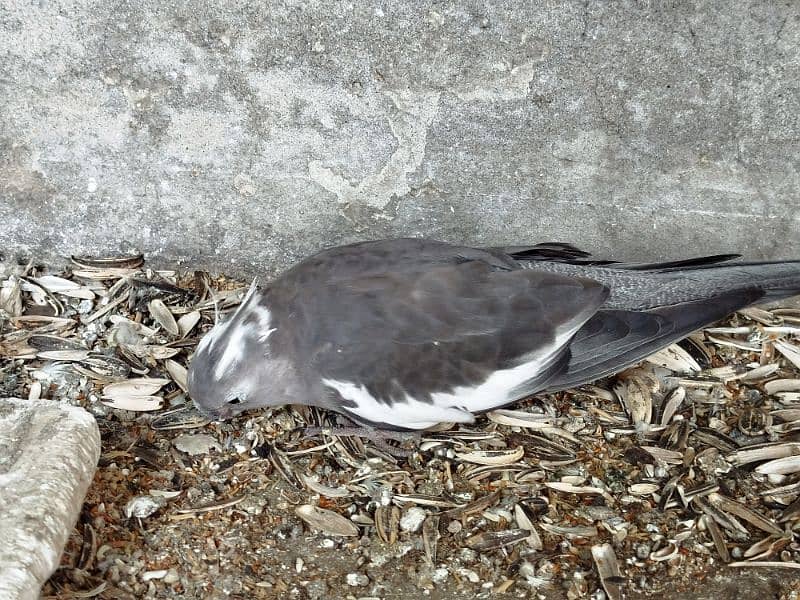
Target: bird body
(408,333)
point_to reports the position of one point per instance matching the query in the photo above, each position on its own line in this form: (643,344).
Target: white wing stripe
(455,406)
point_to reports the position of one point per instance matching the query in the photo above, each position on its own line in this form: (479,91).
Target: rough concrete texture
(48,455)
(242,135)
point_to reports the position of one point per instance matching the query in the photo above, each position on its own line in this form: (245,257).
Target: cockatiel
(408,333)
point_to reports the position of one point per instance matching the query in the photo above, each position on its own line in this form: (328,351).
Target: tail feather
(653,305)
(776,280)
(613,340)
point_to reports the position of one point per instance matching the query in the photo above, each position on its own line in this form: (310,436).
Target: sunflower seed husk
(55,283)
(728,521)
(608,570)
(716,439)
(791,512)
(759,373)
(787,414)
(764,453)
(519,418)
(36,391)
(542,448)
(387,523)
(65,287)
(782,490)
(326,521)
(133,261)
(188,322)
(717,537)
(782,385)
(128,355)
(49,342)
(162,315)
(578,531)
(430,537)
(476,506)
(767,547)
(492,457)
(492,540)
(103,274)
(135,403)
(741,511)
(106,366)
(598,392)
(788,397)
(524,522)
(731,342)
(162,352)
(759,315)
(766,564)
(42,296)
(324,490)
(143,386)
(780,466)
(11,297)
(675,359)
(644,489)
(68,355)
(283,465)
(35,320)
(666,553)
(579,489)
(88,548)
(672,403)
(670,457)
(179,374)
(790,352)
(637,398)
(184,417)
(105,309)
(426,500)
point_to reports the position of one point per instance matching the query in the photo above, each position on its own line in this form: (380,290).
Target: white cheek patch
(233,352)
(249,322)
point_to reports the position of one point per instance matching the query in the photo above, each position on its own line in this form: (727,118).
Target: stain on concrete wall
(241,137)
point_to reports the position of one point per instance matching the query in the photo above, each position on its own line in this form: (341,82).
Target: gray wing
(379,257)
(613,340)
(439,329)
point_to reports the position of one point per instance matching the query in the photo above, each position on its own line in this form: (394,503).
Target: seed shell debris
(685,464)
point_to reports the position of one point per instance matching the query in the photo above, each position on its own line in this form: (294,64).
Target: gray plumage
(406,333)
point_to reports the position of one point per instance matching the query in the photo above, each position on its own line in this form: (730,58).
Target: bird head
(231,367)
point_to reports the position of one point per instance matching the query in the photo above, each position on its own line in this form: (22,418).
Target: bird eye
(234,401)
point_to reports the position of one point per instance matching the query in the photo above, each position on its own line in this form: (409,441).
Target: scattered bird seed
(694,451)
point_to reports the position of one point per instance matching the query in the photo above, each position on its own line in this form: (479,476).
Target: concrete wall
(243,135)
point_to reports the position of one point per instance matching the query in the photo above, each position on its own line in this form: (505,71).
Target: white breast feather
(411,413)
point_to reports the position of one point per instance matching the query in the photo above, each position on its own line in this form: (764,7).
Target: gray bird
(408,333)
